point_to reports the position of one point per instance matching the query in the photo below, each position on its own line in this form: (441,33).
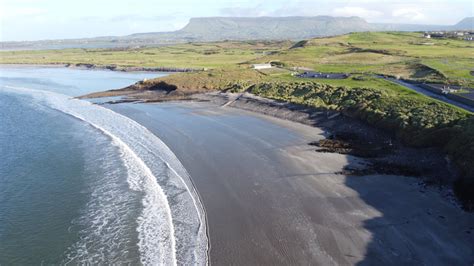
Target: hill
(465,24)
(270,28)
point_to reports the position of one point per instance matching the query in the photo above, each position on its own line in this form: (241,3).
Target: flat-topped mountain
(272,27)
(284,28)
(240,28)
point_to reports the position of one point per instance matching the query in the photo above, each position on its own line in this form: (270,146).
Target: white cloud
(10,12)
(357,11)
(256,11)
(408,14)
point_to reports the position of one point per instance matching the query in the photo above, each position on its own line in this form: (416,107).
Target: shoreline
(414,121)
(280,192)
(250,198)
(344,135)
(87,66)
(348,136)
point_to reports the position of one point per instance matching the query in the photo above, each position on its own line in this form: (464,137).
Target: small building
(427,35)
(438,34)
(262,66)
(319,75)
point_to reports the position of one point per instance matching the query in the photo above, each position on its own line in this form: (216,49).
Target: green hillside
(405,55)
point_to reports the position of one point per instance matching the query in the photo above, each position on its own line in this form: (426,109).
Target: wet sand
(271,199)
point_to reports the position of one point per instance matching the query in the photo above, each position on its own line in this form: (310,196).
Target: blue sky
(55,19)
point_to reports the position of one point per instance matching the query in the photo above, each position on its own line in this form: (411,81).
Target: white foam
(172,225)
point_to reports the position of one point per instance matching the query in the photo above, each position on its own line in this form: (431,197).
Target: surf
(172,225)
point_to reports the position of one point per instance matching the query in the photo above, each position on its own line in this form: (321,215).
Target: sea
(81,184)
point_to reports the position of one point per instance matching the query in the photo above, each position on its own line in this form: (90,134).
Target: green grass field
(196,55)
(405,55)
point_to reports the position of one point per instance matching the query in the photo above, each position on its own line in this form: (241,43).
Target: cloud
(357,11)
(408,14)
(302,9)
(7,12)
(135,17)
(243,11)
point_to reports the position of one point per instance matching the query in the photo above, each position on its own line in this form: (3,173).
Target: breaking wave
(171,225)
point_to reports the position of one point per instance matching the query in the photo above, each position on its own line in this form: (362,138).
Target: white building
(262,66)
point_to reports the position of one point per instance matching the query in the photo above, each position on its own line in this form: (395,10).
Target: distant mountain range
(239,28)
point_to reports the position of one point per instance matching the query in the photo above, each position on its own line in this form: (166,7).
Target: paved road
(429,93)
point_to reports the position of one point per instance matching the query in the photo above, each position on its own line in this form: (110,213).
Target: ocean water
(80,183)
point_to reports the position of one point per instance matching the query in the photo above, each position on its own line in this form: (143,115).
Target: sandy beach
(271,199)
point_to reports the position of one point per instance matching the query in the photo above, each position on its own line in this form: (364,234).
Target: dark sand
(271,199)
